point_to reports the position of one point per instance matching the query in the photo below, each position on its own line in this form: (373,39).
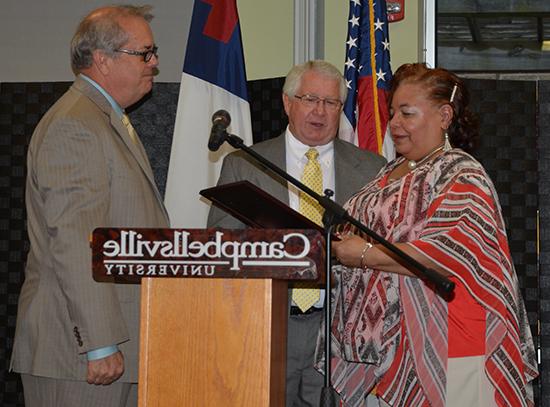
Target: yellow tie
(302,294)
(131,131)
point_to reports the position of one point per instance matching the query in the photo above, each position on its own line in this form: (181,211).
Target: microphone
(220,122)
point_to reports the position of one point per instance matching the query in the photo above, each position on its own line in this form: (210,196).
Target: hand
(348,250)
(105,370)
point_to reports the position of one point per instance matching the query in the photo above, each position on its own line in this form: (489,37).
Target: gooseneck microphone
(220,123)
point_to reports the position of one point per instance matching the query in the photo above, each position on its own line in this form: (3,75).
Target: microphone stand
(335,214)
(328,394)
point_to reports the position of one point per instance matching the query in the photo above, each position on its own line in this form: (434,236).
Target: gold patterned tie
(304,294)
(131,131)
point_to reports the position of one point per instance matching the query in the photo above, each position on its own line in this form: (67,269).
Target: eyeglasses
(147,54)
(313,101)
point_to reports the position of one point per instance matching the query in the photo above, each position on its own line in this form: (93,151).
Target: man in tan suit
(76,341)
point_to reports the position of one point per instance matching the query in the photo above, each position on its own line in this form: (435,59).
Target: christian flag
(213,78)
(368,74)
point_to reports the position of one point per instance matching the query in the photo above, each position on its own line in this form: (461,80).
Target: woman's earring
(447,146)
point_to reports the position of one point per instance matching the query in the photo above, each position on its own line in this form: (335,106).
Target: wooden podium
(214,332)
(213,342)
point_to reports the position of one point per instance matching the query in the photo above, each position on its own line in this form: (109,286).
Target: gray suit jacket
(84,172)
(353,169)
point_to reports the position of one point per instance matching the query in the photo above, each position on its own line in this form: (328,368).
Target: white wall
(267,28)
(35,36)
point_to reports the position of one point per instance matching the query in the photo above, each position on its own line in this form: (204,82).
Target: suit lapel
(344,168)
(136,148)
(138,152)
(277,155)
(120,130)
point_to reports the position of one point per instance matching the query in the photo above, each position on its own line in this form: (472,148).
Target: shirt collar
(116,107)
(299,149)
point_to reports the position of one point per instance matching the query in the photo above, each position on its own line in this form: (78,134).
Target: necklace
(412,164)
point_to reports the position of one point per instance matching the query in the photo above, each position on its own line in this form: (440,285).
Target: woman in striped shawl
(393,336)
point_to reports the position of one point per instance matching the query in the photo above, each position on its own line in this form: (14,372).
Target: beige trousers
(47,392)
(467,385)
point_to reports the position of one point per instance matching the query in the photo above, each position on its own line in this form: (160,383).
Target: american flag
(368,75)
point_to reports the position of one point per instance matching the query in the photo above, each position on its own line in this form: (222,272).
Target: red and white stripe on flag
(368,75)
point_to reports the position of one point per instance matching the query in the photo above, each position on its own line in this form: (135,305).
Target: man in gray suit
(76,340)
(313,95)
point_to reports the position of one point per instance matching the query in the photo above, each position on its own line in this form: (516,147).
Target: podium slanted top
(256,208)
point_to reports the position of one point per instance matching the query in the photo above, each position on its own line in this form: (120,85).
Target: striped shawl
(390,330)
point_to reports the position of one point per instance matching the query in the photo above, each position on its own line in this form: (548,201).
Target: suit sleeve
(229,173)
(73,176)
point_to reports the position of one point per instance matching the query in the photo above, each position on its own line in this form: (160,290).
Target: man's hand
(106,370)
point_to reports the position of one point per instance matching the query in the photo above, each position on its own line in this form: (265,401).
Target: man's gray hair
(294,77)
(100,30)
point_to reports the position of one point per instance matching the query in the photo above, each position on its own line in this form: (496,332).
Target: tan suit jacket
(84,171)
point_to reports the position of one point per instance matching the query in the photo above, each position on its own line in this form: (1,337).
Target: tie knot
(125,119)
(312,154)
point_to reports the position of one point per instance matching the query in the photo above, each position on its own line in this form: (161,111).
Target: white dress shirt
(295,162)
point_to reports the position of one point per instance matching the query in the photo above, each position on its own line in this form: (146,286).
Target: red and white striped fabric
(448,210)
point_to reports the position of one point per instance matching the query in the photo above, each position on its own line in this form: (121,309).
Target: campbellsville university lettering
(128,254)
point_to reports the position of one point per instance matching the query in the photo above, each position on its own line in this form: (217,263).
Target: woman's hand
(348,250)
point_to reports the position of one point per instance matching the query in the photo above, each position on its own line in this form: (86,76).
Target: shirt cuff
(102,352)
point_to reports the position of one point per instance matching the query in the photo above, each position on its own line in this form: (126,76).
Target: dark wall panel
(21,106)
(508,151)
(507,112)
(544,199)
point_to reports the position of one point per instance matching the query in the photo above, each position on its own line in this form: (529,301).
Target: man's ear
(101,61)
(286,103)
(447,114)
